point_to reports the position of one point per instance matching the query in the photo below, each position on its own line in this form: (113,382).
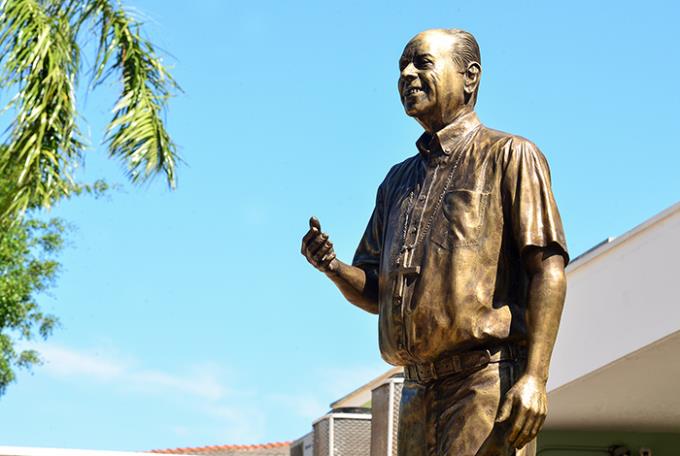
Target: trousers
(456,415)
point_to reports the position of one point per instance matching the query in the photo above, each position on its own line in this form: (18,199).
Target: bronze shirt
(446,237)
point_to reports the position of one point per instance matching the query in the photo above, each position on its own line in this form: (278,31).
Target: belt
(461,362)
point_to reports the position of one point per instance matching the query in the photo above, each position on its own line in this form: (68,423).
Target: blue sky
(189,318)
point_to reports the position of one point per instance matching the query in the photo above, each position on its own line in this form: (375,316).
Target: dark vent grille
(385,400)
(297,449)
(352,437)
(321,438)
(343,434)
(396,401)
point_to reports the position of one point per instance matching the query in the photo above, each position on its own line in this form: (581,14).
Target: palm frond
(39,57)
(40,62)
(137,132)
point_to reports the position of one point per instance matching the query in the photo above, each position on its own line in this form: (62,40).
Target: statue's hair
(465,51)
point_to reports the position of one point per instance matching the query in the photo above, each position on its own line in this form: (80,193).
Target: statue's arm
(358,286)
(526,402)
(547,290)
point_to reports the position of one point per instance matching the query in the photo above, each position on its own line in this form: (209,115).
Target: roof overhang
(638,392)
(362,395)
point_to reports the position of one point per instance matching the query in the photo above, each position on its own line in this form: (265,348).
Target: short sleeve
(368,253)
(531,204)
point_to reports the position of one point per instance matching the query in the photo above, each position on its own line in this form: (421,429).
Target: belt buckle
(449,365)
(412,373)
(408,370)
(426,372)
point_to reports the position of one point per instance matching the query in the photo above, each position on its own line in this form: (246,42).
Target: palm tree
(40,64)
(40,48)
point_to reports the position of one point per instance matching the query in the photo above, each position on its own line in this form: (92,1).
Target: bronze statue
(463,260)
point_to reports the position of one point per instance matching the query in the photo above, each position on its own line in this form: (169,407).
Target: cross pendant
(402,275)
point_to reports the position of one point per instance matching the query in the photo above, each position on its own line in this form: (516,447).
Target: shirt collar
(446,139)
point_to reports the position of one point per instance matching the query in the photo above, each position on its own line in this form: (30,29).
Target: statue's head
(439,76)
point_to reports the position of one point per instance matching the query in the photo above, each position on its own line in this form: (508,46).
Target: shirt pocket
(461,219)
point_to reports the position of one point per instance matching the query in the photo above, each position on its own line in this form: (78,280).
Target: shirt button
(421,198)
(413,229)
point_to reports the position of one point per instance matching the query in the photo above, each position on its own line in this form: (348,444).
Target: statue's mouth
(412,91)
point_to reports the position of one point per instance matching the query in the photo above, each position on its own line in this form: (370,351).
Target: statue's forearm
(357,286)
(546,295)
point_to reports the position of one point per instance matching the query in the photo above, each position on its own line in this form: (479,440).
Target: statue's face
(431,85)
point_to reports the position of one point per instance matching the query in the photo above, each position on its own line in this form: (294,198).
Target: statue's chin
(417,109)
(412,111)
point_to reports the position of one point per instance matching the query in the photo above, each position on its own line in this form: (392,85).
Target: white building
(615,374)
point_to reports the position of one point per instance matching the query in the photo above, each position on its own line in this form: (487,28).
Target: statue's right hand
(317,248)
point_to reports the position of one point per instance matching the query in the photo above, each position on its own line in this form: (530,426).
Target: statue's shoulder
(397,172)
(503,139)
(509,145)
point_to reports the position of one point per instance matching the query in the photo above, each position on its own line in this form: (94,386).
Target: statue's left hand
(526,405)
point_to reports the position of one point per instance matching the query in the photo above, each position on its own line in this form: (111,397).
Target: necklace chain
(410,206)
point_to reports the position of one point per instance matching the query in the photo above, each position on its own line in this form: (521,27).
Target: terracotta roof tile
(214,449)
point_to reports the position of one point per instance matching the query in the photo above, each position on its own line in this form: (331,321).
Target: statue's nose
(409,71)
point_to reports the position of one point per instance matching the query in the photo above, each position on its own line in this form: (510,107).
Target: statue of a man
(463,260)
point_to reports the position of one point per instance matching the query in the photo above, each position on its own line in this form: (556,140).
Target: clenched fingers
(538,422)
(326,262)
(526,426)
(309,235)
(525,434)
(322,251)
(316,246)
(518,425)
(312,241)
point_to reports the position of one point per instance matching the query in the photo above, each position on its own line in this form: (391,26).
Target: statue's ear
(472,74)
